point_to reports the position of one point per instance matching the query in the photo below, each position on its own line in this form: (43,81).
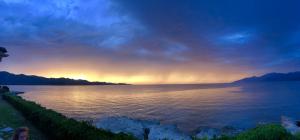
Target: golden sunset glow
(101,43)
(150,69)
(145,77)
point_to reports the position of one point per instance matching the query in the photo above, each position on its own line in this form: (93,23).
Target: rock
(230,131)
(208,133)
(16,92)
(138,128)
(298,123)
(7,129)
(211,133)
(290,125)
(146,133)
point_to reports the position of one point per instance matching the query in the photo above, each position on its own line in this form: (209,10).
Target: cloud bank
(142,41)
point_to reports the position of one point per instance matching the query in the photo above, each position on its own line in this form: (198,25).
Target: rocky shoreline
(162,131)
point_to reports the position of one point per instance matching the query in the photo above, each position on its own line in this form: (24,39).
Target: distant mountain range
(7,78)
(272,77)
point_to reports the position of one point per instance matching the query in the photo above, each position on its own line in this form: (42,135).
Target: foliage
(10,117)
(297,136)
(4,89)
(56,126)
(262,132)
(266,132)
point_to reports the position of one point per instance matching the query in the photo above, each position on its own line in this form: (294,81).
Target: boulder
(211,133)
(290,125)
(230,131)
(7,129)
(208,133)
(139,128)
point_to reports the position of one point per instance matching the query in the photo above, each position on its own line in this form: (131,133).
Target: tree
(5,88)
(3,53)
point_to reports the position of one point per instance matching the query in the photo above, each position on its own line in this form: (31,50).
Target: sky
(150,41)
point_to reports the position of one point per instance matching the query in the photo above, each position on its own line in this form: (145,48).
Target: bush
(57,126)
(4,89)
(261,132)
(265,132)
(297,136)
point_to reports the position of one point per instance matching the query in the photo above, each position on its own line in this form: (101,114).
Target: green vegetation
(262,132)
(266,132)
(56,126)
(297,136)
(10,117)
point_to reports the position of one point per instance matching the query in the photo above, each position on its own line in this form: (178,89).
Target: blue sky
(150,41)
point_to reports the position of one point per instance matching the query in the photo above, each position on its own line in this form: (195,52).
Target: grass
(10,117)
(57,126)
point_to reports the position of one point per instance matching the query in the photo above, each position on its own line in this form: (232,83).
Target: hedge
(59,127)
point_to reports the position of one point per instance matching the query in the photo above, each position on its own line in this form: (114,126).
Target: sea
(171,111)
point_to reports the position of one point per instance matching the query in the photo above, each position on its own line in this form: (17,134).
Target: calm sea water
(188,106)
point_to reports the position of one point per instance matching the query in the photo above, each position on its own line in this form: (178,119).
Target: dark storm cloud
(248,30)
(158,38)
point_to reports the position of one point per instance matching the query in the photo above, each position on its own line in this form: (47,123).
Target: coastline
(11,119)
(56,125)
(269,130)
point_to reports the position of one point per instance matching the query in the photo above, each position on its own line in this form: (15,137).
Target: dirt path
(11,118)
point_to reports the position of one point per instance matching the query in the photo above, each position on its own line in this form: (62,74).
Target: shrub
(57,126)
(265,132)
(4,89)
(261,132)
(297,136)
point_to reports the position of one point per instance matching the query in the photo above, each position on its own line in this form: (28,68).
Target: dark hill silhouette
(272,77)
(7,78)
